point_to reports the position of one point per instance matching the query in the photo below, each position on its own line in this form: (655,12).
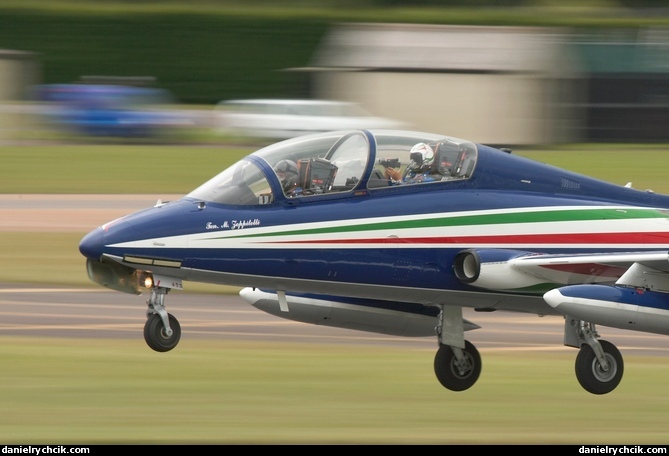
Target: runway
(68,213)
(90,313)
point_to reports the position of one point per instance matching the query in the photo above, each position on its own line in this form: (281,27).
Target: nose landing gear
(161,330)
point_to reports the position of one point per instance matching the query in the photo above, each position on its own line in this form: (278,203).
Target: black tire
(154,333)
(590,374)
(446,368)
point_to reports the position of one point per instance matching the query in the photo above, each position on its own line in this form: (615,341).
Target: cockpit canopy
(339,162)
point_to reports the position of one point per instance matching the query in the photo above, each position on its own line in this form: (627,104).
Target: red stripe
(588,269)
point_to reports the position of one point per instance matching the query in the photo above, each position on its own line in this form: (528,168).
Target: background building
(500,85)
(19,72)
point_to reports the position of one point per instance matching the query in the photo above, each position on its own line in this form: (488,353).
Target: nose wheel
(162,330)
(160,338)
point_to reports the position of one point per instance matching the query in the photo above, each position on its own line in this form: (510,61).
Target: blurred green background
(204,51)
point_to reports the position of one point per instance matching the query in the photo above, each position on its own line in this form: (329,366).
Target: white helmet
(422,155)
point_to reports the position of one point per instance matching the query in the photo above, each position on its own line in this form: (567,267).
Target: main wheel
(454,375)
(589,370)
(155,336)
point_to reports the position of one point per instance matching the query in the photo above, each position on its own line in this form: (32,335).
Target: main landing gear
(457,369)
(457,363)
(599,364)
(161,330)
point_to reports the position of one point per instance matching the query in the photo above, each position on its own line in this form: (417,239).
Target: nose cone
(554,298)
(92,245)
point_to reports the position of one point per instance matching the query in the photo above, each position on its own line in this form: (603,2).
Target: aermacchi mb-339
(395,232)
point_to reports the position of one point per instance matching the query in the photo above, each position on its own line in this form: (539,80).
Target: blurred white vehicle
(282,119)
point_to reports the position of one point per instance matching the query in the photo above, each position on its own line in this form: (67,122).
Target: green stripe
(538,289)
(488,219)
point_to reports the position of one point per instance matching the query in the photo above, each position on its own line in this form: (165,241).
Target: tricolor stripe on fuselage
(603,227)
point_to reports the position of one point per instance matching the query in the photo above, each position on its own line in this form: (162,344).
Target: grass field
(178,169)
(221,392)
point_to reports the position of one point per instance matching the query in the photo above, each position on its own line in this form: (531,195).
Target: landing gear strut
(161,330)
(457,363)
(599,364)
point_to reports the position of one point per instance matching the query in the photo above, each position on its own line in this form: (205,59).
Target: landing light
(148,281)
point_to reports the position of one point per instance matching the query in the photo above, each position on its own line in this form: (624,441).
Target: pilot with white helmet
(421,168)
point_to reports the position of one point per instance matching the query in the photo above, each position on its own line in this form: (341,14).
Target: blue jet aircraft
(395,232)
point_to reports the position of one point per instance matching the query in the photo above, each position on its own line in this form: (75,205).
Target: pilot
(421,168)
(287,172)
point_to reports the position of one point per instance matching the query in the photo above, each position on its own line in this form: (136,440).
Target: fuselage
(392,242)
